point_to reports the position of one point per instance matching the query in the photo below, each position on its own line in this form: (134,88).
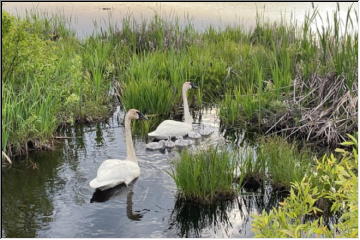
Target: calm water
(202,15)
(48,195)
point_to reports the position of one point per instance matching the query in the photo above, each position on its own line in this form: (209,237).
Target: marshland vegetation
(297,81)
(293,82)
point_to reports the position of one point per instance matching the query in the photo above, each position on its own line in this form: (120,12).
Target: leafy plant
(339,186)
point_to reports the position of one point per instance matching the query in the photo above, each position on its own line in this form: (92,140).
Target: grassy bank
(49,78)
(277,78)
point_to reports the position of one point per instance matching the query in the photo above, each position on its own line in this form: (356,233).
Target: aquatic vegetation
(36,69)
(251,172)
(262,79)
(285,163)
(157,34)
(149,95)
(298,82)
(205,176)
(334,179)
(301,63)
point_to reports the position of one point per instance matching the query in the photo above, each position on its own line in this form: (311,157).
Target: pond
(83,15)
(48,193)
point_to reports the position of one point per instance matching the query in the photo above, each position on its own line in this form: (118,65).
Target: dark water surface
(48,194)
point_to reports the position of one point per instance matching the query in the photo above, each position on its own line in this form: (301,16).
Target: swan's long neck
(128,139)
(187,116)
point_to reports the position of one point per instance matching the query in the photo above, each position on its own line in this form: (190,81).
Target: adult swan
(113,172)
(171,128)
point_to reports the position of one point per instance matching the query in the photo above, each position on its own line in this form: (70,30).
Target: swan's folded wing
(114,172)
(172,128)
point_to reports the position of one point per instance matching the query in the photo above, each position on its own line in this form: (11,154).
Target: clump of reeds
(251,172)
(157,34)
(205,176)
(306,89)
(285,162)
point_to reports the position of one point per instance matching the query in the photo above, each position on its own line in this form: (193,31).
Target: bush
(339,185)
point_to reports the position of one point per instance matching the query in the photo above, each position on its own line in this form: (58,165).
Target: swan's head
(189,85)
(136,114)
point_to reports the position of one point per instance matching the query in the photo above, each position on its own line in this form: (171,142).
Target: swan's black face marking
(141,116)
(193,85)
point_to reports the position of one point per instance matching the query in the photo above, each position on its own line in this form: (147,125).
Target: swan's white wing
(113,172)
(171,128)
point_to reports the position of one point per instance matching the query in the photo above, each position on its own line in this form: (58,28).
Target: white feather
(113,172)
(171,128)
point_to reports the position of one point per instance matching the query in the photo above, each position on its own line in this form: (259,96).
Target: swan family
(113,172)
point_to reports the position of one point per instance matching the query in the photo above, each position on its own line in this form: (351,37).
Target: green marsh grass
(250,74)
(285,163)
(44,81)
(290,52)
(205,176)
(251,170)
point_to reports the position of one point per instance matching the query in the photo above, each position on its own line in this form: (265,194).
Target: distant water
(202,15)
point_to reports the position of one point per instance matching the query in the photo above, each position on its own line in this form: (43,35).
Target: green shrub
(333,179)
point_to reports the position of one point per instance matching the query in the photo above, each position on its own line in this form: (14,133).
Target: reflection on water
(28,192)
(55,200)
(103,196)
(230,218)
(191,219)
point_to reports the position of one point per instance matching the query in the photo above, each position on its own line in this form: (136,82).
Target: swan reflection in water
(120,190)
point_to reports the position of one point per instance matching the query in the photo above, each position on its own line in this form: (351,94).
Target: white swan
(113,172)
(171,128)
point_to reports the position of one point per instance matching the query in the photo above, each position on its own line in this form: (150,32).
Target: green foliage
(6,22)
(157,34)
(285,163)
(249,74)
(250,166)
(333,179)
(205,176)
(44,84)
(150,96)
(289,52)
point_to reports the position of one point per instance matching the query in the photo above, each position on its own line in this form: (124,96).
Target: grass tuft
(205,176)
